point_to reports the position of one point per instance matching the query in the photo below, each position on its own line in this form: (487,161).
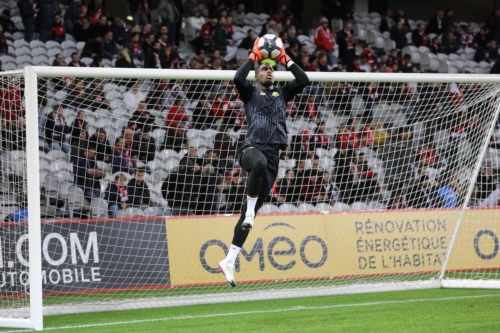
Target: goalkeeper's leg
(260,180)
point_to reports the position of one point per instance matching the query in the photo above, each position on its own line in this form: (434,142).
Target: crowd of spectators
(362,158)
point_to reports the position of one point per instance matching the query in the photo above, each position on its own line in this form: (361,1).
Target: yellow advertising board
(309,246)
(477,244)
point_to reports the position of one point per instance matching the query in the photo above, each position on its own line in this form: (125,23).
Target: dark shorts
(272,157)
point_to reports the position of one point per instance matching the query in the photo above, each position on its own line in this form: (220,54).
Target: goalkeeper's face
(265,75)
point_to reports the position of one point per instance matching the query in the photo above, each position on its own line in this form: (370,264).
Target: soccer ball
(270,46)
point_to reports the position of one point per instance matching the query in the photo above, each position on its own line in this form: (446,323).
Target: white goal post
(396,192)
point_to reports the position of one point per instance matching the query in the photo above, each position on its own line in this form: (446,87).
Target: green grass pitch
(437,310)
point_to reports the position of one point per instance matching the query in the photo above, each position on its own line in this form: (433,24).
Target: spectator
(347,137)
(134,96)
(437,45)
(300,145)
(176,138)
(109,48)
(398,35)
(435,25)
(176,114)
(192,154)
(238,15)
(4,47)
(56,130)
(180,189)
(449,20)
(447,196)
(293,52)
(485,183)
(387,23)
(152,59)
(121,160)
(363,64)
(492,199)
(148,43)
(134,48)
(320,138)
(117,195)
(292,35)
(79,125)
(422,194)
(6,22)
(205,41)
(16,134)
(450,43)
(80,143)
(329,191)
(140,10)
(169,58)
(95,98)
(138,190)
(140,119)
(45,19)
(488,54)
(236,194)
(87,174)
(164,41)
(82,30)
(72,16)
(76,96)
(323,63)
(100,29)
(124,60)
(75,60)
(196,24)
(347,42)
(323,38)
(223,145)
(145,147)
(467,38)
(104,153)
(222,43)
(221,196)
(288,188)
(418,36)
(405,65)
(58,30)
(119,31)
(311,188)
(95,9)
(27,13)
(481,39)
(170,15)
(398,157)
(400,16)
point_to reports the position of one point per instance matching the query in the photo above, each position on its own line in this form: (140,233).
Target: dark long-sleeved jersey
(265,110)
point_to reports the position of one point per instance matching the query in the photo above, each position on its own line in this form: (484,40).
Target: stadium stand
(366,42)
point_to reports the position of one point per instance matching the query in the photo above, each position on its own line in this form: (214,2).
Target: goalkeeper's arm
(240,79)
(301,80)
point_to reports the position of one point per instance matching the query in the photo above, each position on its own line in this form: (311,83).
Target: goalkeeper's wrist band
(289,63)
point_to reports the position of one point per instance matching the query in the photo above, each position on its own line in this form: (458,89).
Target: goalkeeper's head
(265,73)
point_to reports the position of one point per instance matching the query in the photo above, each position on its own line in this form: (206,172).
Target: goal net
(132,189)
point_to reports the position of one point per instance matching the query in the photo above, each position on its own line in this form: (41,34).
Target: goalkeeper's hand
(283,57)
(255,55)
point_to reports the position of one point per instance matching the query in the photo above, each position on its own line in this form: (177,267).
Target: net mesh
(139,180)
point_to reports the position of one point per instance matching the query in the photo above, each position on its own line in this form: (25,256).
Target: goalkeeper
(265,112)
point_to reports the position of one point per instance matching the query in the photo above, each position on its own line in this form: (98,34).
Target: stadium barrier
(98,255)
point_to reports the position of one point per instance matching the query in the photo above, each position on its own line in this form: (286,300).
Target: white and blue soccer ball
(270,46)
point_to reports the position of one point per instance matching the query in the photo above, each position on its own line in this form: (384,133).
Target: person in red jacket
(176,114)
(11,106)
(323,38)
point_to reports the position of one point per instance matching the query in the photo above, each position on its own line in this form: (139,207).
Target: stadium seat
(374,205)
(359,206)
(305,207)
(87,61)
(53,52)
(75,198)
(54,155)
(166,154)
(287,208)
(340,207)
(37,44)
(268,208)
(99,207)
(281,172)
(153,211)
(171,164)
(324,207)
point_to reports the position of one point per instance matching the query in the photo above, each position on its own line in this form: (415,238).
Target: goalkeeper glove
(284,58)
(255,55)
